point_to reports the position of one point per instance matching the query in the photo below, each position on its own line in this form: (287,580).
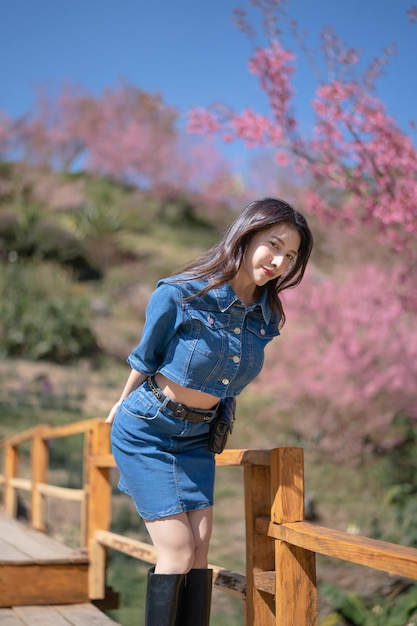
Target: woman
(203,342)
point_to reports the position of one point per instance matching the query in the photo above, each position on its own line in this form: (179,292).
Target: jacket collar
(226,297)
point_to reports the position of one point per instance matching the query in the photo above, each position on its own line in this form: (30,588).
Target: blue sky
(187,50)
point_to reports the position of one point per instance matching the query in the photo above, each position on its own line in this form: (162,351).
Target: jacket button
(225,381)
(236,359)
(236,330)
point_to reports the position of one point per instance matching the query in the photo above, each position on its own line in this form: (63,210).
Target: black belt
(178,409)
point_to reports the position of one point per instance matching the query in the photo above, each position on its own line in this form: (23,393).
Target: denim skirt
(164,462)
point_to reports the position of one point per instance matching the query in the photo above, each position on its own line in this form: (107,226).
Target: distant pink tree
(5,133)
(50,135)
(125,134)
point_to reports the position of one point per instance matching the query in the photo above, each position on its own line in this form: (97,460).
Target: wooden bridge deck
(43,582)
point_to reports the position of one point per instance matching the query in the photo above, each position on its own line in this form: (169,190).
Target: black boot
(163,598)
(196,598)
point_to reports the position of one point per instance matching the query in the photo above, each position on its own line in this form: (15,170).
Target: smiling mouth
(268,272)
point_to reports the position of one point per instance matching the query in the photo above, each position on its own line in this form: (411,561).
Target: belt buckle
(180,411)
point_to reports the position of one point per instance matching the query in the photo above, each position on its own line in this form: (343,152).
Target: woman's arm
(134,380)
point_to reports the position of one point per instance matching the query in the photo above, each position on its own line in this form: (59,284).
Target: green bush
(27,232)
(42,316)
(374,610)
(397,473)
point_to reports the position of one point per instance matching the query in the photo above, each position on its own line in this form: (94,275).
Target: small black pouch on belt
(222,425)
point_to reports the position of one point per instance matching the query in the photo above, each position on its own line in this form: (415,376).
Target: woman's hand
(134,380)
(113,411)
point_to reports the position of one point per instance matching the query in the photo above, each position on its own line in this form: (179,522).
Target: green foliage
(101,214)
(67,452)
(42,316)
(398,474)
(28,232)
(375,610)
(108,212)
(128,577)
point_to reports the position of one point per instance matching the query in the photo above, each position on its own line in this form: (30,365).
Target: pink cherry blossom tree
(355,147)
(346,363)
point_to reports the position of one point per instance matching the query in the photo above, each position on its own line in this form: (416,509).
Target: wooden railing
(279,588)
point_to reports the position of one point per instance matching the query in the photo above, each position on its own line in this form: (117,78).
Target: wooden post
(11,463)
(39,461)
(97,554)
(84,503)
(259,548)
(98,487)
(295,568)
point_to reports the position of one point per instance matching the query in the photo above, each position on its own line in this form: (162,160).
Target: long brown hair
(221,263)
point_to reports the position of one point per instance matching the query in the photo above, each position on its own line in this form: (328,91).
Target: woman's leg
(181,541)
(201,524)
(195,604)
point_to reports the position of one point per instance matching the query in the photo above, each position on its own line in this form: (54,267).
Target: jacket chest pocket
(209,331)
(259,335)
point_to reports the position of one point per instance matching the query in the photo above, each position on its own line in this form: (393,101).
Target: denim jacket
(211,343)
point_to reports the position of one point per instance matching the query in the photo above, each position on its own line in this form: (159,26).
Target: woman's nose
(278,260)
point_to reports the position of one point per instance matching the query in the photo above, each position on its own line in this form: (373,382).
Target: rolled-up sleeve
(164,315)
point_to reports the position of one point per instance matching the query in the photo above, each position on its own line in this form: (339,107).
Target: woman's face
(270,253)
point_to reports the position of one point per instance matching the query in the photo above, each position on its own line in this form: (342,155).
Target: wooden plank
(76,428)
(39,616)
(82,614)
(36,545)
(26,435)
(228,581)
(22,585)
(21,483)
(62,615)
(380,555)
(127,545)
(64,493)
(11,554)
(9,618)
(227,458)
(51,432)
(265,581)
(243,457)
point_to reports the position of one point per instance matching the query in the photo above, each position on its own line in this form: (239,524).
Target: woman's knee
(175,562)
(201,522)
(174,543)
